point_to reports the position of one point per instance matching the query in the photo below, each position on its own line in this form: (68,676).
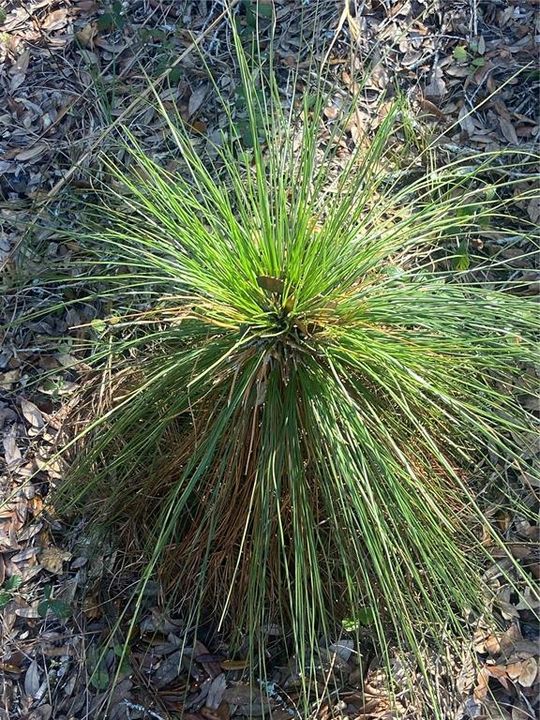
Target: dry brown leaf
(482,682)
(198,126)
(529,672)
(508,131)
(496,671)
(52,559)
(465,121)
(436,89)
(87,34)
(20,66)
(55,20)
(430,108)
(513,670)
(31,679)
(91,607)
(32,413)
(331,112)
(215,692)
(31,153)
(11,450)
(492,645)
(196,99)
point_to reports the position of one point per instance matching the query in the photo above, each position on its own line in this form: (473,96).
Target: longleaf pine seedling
(299,377)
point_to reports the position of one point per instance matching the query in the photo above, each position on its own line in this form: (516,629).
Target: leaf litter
(69,69)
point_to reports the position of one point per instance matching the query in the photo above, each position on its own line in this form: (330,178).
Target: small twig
(353,26)
(141,708)
(474,18)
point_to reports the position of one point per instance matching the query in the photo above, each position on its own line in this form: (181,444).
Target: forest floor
(72,72)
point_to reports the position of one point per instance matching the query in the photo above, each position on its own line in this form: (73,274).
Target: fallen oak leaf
(529,672)
(513,670)
(508,131)
(31,679)
(32,413)
(31,153)
(196,100)
(234,664)
(431,109)
(499,673)
(87,34)
(11,450)
(21,64)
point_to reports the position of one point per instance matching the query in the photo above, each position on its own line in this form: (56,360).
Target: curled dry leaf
(196,99)
(32,413)
(437,87)
(87,34)
(11,450)
(508,131)
(529,672)
(52,559)
(31,153)
(215,692)
(20,66)
(55,20)
(31,679)
(465,121)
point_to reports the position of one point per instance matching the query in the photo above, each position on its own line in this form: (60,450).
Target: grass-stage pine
(299,374)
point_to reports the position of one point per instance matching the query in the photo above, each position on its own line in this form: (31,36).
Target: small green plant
(8,590)
(255,10)
(473,55)
(364,617)
(59,608)
(298,382)
(113,17)
(104,662)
